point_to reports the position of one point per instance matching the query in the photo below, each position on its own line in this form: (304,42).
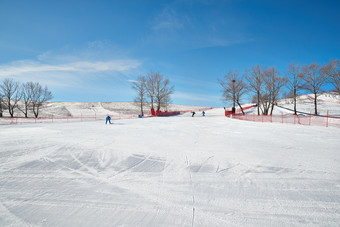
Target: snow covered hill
(100,108)
(327,102)
(88,108)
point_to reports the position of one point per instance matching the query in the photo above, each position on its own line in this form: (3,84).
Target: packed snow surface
(170,171)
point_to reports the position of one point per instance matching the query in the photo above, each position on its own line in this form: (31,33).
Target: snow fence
(310,120)
(78,118)
(55,118)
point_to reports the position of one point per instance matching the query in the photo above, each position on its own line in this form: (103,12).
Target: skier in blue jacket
(108,119)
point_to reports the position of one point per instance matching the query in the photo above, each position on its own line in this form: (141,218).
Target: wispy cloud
(134,81)
(168,19)
(178,27)
(99,62)
(29,66)
(98,71)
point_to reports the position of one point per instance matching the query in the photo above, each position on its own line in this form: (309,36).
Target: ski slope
(171,171)
(68,109)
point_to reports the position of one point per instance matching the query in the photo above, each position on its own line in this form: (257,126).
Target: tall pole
(0,106)
(233,96)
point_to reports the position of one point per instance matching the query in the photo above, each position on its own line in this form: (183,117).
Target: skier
(203,113)
(193,113)
(108,119)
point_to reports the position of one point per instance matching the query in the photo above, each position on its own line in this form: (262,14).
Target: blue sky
(91,50)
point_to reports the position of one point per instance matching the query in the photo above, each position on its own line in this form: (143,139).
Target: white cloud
(134,81)
(95,66)
(22,67)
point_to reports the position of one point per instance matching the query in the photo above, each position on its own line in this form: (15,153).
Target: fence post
(327,119)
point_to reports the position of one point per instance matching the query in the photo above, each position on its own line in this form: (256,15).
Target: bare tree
(151,87)
(274,83)
(163,90)
(294,82)
(241,89)
(39,96)
(233,88)
(266,96)
(314,78)
(26,95)
(140,87)
(333,70)
(158,89)
(10,90)
(255,81)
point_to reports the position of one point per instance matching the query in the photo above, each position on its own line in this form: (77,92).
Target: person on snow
(193,113)
(203,113)
(108,119)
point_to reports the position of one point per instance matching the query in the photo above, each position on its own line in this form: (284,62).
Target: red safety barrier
(153,113)
(310,120)
(167,114)
(227,113)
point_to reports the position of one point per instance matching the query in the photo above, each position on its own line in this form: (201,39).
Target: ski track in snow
(178,171)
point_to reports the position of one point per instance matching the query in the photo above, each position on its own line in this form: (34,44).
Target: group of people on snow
(193,113)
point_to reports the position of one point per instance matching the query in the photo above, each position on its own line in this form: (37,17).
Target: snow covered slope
(327,102)
(99,108)
(177,171)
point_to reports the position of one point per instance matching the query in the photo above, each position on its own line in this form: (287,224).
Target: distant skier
(193,113)
(108,119)
(203,113)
